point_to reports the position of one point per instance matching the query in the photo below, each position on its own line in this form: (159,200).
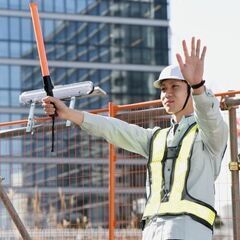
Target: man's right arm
(122,134)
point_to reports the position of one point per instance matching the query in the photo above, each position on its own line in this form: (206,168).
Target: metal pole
(12,212)
(112,174)
(234,173)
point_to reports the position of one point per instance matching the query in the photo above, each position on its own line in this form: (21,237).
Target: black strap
(188,95)
(53,136)
(48,87)
(198,85)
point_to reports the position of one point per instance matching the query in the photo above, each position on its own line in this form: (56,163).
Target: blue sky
(217,23)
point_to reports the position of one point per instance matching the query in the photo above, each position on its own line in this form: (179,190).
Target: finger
(180,61)
(50,113)
(49,108)
(203,53)
(48,99)
(198,47)
(47,105)
(185,50)
(193,49)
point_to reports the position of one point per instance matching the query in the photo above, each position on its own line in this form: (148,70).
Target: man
(184,160)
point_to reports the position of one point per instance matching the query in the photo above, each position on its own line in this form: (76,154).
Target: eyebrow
(171,83)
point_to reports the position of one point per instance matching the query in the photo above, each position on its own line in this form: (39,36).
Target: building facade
(120,46)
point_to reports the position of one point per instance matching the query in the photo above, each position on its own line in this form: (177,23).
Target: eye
(163,89)
(175,86)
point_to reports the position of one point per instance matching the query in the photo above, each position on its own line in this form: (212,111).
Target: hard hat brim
(157,83)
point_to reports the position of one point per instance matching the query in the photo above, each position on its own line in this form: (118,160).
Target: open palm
(193,67)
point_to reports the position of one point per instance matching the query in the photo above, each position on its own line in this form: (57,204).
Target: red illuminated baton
(48,86)
(47,83)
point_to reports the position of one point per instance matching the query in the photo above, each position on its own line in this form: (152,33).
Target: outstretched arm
(127,136)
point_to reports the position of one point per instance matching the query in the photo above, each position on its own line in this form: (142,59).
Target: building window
(26,34)
(4,26)
(4,98)
(4,81)
(14,4)
(15,28)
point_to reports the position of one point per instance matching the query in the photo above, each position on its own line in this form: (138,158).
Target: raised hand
(193,67)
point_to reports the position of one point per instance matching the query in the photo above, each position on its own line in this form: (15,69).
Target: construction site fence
(89,189)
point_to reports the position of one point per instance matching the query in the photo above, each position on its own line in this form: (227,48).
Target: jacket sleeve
(122,134)
(213,129)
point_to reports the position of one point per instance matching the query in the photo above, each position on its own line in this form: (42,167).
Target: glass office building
(119,45)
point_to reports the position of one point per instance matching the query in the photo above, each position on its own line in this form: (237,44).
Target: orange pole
(222,94)
(112,174)
(158,101)
(47,83)
(39,39)
(234,173)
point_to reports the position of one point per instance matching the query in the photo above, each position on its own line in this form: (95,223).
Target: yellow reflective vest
(178,201)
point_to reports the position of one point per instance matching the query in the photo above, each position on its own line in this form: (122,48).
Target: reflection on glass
(5,151)
(103,7)
(14,28)
(4,117)
(3,3)
(15,77)
(48,28)
(15,49)
(71,6)
(14,4)
(26,26)
(48,6)
(4,80)
(4,33)
(15,117)
(4,98)
(59,6)
(26,50)
(15,97)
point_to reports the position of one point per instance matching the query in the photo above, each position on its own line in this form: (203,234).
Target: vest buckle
(234,166)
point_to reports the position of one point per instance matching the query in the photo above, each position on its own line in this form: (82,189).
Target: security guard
(183,160)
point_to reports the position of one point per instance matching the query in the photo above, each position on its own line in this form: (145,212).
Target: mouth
(168,102)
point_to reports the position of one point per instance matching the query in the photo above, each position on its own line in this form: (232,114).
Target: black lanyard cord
(53,135)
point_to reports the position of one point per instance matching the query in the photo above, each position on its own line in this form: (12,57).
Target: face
(173,95)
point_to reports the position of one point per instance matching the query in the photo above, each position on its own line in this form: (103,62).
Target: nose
(167,93)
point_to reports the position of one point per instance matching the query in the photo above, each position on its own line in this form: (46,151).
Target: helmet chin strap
(188,95)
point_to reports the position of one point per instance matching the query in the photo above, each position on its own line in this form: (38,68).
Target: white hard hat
(170,72)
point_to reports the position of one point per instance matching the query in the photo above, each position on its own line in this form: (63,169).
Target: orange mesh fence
(62,195)
(66,195)
(132,176)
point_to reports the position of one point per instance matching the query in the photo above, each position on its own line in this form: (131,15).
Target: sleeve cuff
(205,101)
(87,118)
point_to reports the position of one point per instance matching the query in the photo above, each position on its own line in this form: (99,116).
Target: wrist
(67,113)
(74,116)
(198,91)
(198,85)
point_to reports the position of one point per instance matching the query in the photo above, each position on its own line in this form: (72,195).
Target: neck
(178,116)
